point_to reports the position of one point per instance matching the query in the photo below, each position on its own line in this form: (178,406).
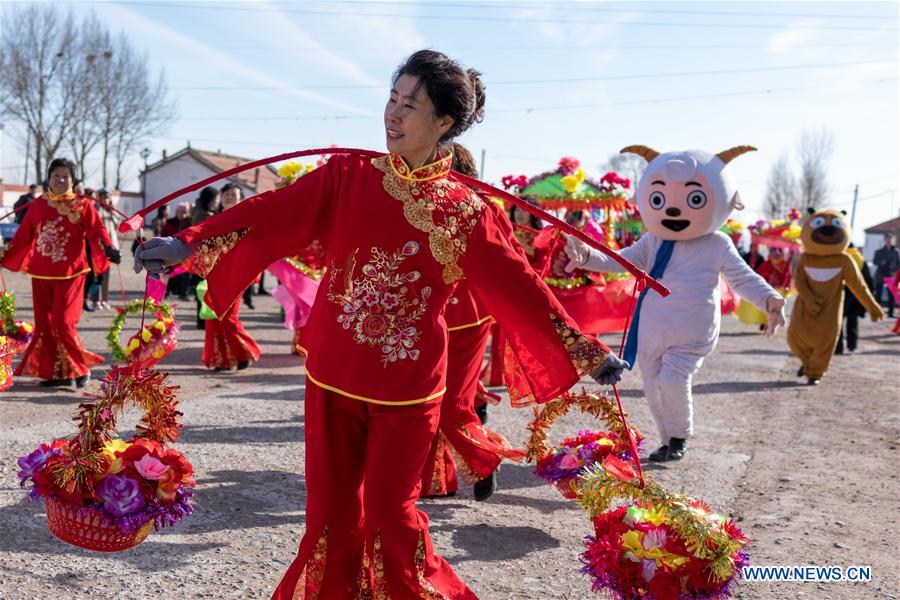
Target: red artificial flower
(568,165)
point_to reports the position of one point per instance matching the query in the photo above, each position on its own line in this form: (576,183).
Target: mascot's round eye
(817,222)
(836,221)
(657,200)
(696,199)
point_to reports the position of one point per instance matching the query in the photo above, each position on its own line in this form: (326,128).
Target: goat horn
(646,152)
(728,155)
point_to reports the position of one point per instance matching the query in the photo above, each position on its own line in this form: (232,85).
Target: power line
(568,48)
(570,7)
(503,19)
(552,80)
(562,106)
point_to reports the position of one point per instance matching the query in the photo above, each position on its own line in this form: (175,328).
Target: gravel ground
(810,474)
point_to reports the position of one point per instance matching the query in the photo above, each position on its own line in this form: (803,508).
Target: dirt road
(811,474)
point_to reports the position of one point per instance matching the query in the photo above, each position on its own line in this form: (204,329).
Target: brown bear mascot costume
(822,272)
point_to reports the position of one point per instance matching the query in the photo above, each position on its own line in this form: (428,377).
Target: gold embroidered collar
(438,168)
(67,204)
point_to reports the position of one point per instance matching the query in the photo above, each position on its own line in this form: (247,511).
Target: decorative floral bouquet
(155,341)
(638,553)
(104,493)
(15,336)
(658,545)
(562,465)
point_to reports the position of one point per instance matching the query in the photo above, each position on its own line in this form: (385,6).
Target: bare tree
(814,153)
(38,76)
(95,47)
(73,85)
(144,107)
(782,192)
(627,165)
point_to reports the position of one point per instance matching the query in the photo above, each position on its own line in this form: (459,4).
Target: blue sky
(319,72)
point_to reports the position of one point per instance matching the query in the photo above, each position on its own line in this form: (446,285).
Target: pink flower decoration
(569,461)
(151,468)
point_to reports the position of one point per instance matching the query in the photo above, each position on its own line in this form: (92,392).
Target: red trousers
(492,374)
(462,442)
(364,537)
(55,351)
(227,342)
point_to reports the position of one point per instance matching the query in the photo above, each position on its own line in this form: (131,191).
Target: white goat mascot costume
(684,198)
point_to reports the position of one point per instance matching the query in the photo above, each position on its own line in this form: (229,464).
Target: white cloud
(211,58)
(797,33)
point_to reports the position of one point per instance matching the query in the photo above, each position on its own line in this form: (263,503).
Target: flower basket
(89,528)
(106,494)
(153,343)
(654,544)
(562,465)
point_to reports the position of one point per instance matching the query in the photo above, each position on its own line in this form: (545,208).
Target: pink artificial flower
(569,461)
(150,468)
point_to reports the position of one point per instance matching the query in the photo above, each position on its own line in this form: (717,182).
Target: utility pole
(853,212)
(481,170)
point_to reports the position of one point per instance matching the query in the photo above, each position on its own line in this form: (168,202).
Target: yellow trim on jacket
(72,276)
(336,390)
(468,325)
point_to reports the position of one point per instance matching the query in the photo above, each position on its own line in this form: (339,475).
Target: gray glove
(611,371)
(160,252)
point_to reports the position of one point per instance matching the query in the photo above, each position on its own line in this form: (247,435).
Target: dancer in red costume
(399,231)
(462,442)
(227,343)
(50,247)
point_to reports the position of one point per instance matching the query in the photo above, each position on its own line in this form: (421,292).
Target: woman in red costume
(227,343)
(399,231)
(50,247)
(462,442)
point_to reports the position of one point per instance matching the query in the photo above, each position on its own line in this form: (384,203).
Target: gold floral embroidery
(444,209)
(586,355)
(310,583)
(438,485)
(379,586)
(469,475)
(426,590)
(209,250)
(51,240)
(381,307)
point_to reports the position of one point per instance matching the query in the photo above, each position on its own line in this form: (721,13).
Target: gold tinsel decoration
(598,405)
(599,489)
(97,421)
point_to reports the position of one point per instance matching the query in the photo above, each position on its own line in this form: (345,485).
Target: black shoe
(481,411)
(677,448)
(201,324)
(82,381)
(813,381)
(263,292)
(485,488)
(183,298)
(661,454)
(800,372)
(762,327)
(243,364)
(220,369)
(248,301)
(838,351)
(88,307)
(56,383)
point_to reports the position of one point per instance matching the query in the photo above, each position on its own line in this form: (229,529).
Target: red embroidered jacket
(397,243)
(463,309)
(50,242)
